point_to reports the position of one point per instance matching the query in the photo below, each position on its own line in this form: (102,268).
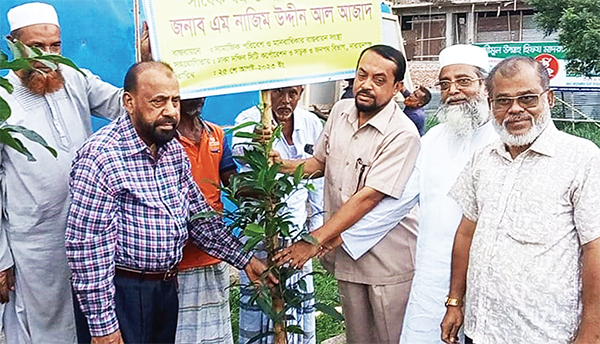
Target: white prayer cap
(465,54)
(30,14)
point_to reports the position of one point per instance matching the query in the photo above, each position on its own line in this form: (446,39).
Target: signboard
(228,46)
(550,54)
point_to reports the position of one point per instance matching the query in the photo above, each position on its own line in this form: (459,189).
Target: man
(300,132)
(203,292)
(367,151)
(414,104)
(132,197)
(445,150)
(527,252)
(57,105)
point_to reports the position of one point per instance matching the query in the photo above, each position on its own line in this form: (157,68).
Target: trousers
(146,311)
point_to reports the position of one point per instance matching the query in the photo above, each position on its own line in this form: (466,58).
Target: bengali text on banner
(228,46)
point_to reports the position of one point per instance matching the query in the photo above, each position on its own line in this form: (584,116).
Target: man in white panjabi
(445,149)
(57,105)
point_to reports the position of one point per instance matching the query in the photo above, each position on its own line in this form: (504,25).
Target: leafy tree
(578,25)
(260,196)
(24,56)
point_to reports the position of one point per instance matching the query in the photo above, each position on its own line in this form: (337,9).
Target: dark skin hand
(7,284)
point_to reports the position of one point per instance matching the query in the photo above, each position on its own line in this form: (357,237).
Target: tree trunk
(279,326)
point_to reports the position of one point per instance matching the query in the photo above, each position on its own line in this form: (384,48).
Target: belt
(147,275)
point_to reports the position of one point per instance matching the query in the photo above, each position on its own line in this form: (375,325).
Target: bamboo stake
(279,326)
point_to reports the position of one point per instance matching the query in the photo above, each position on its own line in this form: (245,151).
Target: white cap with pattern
(465,54)
(30,14)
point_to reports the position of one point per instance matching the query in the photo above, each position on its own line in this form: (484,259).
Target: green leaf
(245,135)
(298,174)
(260,336)
(310,187)
(5,84)
(62,60)
(302,284)
(252,230)
(7,139)
(251,243)
(204,215)
(31,136)
(48,64)
(19,64)
(309,238)
(332,312)
(241,126)
(5,111)
(294,329)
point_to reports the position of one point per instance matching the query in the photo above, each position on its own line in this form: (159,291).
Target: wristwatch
(450,301)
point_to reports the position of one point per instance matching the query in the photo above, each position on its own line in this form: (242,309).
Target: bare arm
(313,168)
(453,319)
(349,213)
(589,327)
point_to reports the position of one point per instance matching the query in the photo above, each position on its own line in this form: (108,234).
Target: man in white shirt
(300,132)
(35,195)
(526,257)
(445,149)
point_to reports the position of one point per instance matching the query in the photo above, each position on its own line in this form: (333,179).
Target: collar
(131,143)
(381,119)
(544,144)
(299,124)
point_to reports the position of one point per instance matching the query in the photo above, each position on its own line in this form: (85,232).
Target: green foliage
(578,25)
(260,195)
(586,130)
(24,58)
(326,291)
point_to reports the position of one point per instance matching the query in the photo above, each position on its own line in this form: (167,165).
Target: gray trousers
(374,313)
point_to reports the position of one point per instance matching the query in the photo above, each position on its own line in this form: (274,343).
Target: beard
(463,119)
(42,83)
(367,108)
(154,135)
(537,126)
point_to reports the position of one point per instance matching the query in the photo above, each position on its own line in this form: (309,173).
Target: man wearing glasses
(526,256)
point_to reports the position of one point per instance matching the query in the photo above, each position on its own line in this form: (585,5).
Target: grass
(586,130)
(326,291)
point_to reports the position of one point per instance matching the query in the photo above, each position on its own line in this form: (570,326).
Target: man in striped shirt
(132,198)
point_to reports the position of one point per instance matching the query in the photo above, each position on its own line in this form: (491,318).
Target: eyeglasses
(526,101)
(461,83)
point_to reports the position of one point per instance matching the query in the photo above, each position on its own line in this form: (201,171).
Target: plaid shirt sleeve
(211,234)
(91,240)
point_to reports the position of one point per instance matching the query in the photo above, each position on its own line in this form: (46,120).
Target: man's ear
(398,86)
(128,102)
(551,98)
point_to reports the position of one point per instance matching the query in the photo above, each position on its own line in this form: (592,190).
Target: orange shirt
(205,159)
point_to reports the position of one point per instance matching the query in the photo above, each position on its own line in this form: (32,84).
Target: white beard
(526,139)
(463,119)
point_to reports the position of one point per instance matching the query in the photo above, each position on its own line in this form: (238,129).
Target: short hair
(388,53)
(426,95)
(192,107)
(131,78)
(512,66)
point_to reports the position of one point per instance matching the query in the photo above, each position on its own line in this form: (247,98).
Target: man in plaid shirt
(132,197)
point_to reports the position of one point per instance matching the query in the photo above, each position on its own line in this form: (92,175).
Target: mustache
(517,118)
(365,93)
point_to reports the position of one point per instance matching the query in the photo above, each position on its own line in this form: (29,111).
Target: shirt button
(347,163)
(340,189)
(355,138)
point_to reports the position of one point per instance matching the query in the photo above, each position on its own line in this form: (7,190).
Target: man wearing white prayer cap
(34,277)
(445,150)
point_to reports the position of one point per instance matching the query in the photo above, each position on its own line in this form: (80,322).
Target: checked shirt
(129,209)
